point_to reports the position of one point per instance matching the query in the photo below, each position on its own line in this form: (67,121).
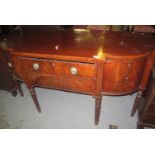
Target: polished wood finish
(122,77)
(90,62)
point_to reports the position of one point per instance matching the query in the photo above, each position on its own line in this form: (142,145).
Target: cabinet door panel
(122,77)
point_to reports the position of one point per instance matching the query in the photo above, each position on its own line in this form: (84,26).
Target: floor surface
(64,110)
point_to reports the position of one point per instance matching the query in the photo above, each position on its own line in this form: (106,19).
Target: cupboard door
(122,77)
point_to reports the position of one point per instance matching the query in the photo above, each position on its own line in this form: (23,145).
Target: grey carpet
(64,110)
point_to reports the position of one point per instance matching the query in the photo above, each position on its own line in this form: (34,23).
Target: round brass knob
(36,66)
(73,70)
(10,64)
(56,47)
(126,78)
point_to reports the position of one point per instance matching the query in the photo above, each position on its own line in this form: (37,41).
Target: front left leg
(98,101)
(34,97)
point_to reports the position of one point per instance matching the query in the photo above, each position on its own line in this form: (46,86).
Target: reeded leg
(98,101)
(137,101)
(34,97)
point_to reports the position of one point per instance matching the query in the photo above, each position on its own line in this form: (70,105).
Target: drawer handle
(126,78)
(73,70)
(36,66)
(10,64)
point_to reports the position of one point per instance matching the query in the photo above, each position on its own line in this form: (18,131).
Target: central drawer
(64,68)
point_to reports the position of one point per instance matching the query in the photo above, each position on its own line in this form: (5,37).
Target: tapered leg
(98,101)
(137,101)
(34,97)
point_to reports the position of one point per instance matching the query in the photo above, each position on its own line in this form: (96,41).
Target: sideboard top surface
(80,44)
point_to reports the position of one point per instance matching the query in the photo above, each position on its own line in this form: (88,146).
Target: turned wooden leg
(34,97)
(137,101)
(98,101)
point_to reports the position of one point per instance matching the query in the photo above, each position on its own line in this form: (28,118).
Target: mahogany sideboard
(96,63)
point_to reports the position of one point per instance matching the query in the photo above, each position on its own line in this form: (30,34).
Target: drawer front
(37,65)
(74,69)
(58,67)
